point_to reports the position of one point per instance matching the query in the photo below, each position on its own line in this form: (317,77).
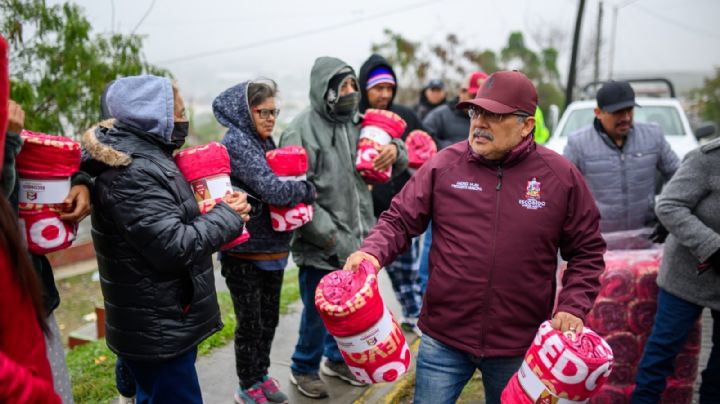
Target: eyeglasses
(476,113)
(265,113)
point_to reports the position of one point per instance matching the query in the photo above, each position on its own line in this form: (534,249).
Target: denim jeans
(674,319)
(314,341)
(425,258)
(443,371)
(171,381)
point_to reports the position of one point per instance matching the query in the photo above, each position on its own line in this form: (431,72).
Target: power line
(301,34)
(681,24)
(143,17)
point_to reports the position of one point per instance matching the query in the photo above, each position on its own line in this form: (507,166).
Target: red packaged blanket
(559,370)
(641,316)
(44,165)
(207,169)
(289,164)
(379,127)
(367,335)
(4,95)
(420,147)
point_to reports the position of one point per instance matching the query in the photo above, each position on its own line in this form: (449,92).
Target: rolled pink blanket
(370,340)
(420,147)
(625,347)
(646,284)
(686,367)
(677,392)
(289,164)
(610,394)
(44,166)
(641,316)
(608,316)
(617,282)
(379,127)
(694,340)
(557,369)
(207,169)
(622,374)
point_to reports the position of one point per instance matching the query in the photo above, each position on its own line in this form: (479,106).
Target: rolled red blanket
(370,340)
(625,347)
(44,165)
(289,164)
(646,285)
(4,95)
(641,316)
(608,316)
(420,147)
(559,370)
(207,169)
(677,392)
(617,282)
(694,340)
(379,127)
(610,394)
(686,367)
(622,374)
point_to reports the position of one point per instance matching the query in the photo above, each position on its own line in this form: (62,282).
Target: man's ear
(528,125)
(597,111)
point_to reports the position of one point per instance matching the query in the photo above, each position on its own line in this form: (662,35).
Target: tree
(707,98)
(58,70)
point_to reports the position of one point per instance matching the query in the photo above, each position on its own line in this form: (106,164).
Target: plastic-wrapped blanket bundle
(378,128)
(559,370)
(371,342)
(624,314)
(207,169)
(289,164)
(420,147)
(44,165)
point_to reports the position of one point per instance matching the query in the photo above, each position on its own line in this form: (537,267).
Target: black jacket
(153,247)
(383,193)
(447,125)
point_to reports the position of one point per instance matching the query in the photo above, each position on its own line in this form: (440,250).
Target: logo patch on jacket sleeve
(532,199)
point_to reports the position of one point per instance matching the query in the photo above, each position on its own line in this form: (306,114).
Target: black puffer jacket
(153,246)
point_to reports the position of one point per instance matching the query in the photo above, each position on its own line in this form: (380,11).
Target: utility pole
(573,58)
(611,60)
(598,42)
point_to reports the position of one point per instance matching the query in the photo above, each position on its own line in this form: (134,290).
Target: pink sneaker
(271,388)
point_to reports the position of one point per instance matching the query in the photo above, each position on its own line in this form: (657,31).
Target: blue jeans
(443,371)
(314,340)
(674,319)
(425,258)
(172,381)
(124,380)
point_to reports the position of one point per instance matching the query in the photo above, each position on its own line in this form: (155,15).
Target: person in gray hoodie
(689,277)
(154,248)
(343,209)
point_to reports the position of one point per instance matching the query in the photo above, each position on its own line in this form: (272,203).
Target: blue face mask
(179,133)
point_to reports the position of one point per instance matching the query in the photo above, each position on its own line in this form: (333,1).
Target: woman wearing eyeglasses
(254,270)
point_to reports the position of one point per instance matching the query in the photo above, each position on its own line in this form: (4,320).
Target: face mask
(179,133)
(346,106)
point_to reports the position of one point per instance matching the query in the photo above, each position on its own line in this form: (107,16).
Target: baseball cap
(505,92)
(435,83)
(615,95)
(473,84)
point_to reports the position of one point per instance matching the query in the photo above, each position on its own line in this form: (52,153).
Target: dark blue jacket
(251,172)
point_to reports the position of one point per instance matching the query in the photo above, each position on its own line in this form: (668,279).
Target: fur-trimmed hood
(103,152)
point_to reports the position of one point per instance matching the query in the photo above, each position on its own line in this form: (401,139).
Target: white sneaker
(126,400)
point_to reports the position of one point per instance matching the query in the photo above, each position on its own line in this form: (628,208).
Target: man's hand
(386,158)
(659,233)
(238,203)
(354,260)
(16,117)
(76,205)
(567,324)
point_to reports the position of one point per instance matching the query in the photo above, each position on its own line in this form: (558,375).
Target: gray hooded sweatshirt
(343,208)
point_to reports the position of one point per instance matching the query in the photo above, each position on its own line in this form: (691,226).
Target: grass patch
(92,366)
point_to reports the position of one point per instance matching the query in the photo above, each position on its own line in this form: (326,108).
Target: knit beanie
(379,75)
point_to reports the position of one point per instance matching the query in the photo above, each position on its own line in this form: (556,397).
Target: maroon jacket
(496,233)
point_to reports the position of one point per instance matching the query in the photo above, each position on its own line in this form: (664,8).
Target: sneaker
(340,369)
(253,395)
(126,400)
(271,388)
(309,384)
(410,325)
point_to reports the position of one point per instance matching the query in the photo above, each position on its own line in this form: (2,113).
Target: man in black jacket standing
(378,86)
(153,247)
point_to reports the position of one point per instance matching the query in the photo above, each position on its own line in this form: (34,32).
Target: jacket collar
(514,157)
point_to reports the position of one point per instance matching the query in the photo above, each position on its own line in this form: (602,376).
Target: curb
(392,395)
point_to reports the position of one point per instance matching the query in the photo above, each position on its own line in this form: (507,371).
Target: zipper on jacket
(500,177)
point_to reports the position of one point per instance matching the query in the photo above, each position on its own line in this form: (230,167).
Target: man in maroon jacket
(501,208)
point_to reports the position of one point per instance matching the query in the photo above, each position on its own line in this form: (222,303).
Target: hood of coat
(143,103)
(373,62)
(232,109)
(323,70)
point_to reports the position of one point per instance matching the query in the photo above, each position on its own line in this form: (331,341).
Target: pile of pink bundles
(379,127)
(44,166)
(559,370)
(207,169)
(624,314)
(420,147)
(289,164)
(370,340)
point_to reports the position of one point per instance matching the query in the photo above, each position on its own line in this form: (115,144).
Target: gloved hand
(659,233)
